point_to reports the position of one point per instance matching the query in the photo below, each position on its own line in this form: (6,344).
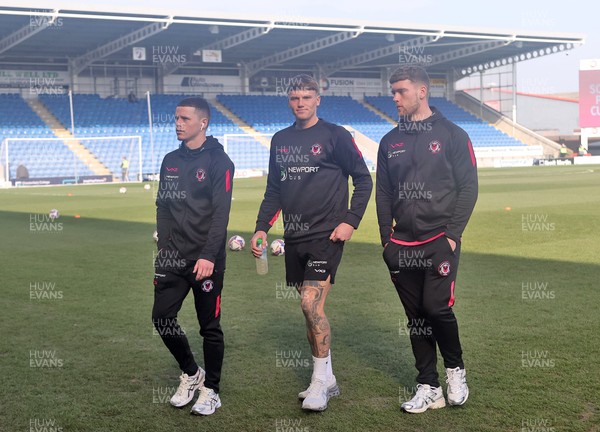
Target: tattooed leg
(313,295)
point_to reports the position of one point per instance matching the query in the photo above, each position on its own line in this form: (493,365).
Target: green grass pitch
(78,351)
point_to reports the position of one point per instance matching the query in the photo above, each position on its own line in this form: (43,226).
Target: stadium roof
(105,36)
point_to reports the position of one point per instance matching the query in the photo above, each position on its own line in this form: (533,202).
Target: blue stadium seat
(482,134)
(41,158)
(95,116)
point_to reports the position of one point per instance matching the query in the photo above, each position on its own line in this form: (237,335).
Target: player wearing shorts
(309,166)
(193,203)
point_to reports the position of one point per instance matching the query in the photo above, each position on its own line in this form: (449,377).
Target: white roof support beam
(466,51)
(515,58)
(80,63)
(238,38)
(316,45)
(237,20)
(368,56)
(37,23)
(223,44)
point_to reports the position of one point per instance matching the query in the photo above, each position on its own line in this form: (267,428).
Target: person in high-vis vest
(563,151)
(125,169)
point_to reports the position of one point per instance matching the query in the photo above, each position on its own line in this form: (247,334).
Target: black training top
(193,202)
(426,181)
(308,180)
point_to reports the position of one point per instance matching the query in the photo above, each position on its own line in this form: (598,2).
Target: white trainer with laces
(425,398)
(458,391)
(332,390)
(187,386)
(318,394)
(207,402)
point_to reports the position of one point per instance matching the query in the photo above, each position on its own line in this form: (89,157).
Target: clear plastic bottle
(262,265)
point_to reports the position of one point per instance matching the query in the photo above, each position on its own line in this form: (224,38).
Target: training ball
(278,247)
(236,243)
(123,190)
(147,186)
(508,208)
(54,214)
(155,236)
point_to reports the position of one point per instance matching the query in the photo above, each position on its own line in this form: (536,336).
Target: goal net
(248,152)
(45,161)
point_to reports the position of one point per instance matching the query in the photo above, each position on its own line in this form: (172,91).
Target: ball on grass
(278,247)
(236,243)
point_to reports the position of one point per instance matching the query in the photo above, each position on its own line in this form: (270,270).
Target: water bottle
(262,265)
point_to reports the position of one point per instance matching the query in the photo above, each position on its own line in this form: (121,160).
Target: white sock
(322,368)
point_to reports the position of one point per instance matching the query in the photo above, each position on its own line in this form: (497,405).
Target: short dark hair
(196,102)
(303,82)
(412,73)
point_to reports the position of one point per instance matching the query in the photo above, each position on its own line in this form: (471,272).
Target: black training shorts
(312,260)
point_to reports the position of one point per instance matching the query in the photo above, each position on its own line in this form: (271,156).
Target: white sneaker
(425,398)
(332,389)
(207,402)
(187,386)
(458,391)
(317,395)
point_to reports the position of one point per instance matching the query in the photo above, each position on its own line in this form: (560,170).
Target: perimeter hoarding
(589,94)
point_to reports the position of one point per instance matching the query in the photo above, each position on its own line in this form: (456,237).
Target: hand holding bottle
(259,250)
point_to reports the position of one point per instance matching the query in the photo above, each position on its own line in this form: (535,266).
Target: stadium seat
(482,134)
(97,117)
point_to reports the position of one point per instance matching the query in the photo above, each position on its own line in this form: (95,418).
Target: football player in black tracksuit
(193,203)
(309,166)
(427,184)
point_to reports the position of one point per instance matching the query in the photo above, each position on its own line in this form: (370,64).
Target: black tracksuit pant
(424,277)
(172,284)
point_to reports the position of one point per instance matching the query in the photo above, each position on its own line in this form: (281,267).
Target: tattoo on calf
(318,329)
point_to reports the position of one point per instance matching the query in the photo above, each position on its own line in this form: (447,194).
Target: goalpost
(249,152)
(44,161)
